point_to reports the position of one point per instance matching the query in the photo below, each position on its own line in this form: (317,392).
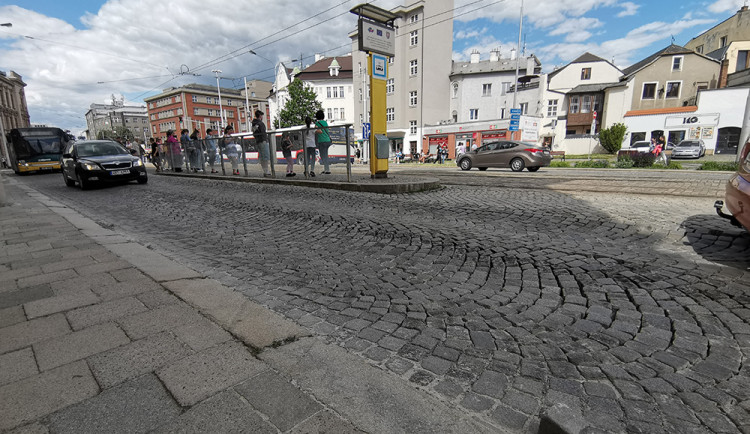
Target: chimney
(513,54)
(475,56)
(495,54)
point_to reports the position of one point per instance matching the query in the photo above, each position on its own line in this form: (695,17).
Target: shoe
(213,171)
(288,175)
(327,173)
(267,175)
(292,174)
(312,174)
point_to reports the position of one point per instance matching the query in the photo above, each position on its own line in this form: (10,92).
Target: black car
(100,161)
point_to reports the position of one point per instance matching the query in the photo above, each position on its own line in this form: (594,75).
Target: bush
(643,160)
(599,164)
(672,165)
(624,162)
(559,164)
(719,166)
(611,138)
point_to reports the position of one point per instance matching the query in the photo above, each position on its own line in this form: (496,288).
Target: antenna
(673,35)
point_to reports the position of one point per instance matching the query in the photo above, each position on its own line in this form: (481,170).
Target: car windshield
(688,144)
(97,149)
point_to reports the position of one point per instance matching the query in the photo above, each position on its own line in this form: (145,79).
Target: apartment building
(103,119)
(14,113)
(418,82)
(331,79)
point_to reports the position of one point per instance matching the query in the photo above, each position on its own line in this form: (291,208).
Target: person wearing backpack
(261,140)
(323,140)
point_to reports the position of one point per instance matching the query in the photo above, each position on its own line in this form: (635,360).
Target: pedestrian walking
(261,141)
(310,147)
(323,140)
(211,148)
(232,149)
(286,150)
(194,149)
(155,156)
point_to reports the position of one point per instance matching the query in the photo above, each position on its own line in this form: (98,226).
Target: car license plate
(120,172)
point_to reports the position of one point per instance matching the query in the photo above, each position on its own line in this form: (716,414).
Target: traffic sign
(515,111)
(515,122)
(515,117)
(366,131)
(513,128)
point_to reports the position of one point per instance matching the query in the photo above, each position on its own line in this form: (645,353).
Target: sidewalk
(100,334)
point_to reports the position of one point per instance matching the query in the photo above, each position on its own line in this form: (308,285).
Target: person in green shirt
(323,139)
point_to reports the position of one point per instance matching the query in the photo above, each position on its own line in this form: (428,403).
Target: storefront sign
(529,129)
(689,120)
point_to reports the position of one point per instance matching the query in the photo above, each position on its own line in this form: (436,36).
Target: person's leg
(324,158)
(311,161)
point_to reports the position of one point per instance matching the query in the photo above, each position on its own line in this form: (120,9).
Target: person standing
(211,148)
(310,147)
(194,150)
(261,140)
(154,155)
(286,150)
(176,152)
(323,139)
(230,149)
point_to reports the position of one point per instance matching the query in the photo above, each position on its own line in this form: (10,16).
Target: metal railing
(229,152)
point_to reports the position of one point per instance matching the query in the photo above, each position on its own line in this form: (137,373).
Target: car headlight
(89,166)
(137,163)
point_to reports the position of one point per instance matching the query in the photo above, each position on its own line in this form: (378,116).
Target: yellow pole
(378,125)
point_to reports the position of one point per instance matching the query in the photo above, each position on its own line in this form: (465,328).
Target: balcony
(580,118)
(524,86)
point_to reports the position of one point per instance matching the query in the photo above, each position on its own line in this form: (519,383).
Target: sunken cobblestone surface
(633,310)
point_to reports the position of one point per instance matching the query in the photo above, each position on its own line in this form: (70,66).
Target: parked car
(689,149)
(100,161)
(737,194)
(514,154)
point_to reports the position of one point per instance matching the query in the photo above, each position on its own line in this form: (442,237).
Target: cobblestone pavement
(630,310)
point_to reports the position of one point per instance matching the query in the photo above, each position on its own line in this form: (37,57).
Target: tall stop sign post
(377,37)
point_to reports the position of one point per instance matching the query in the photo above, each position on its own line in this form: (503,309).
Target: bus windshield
(36,149)
(32,146)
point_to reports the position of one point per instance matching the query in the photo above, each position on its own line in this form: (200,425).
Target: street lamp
(221,107)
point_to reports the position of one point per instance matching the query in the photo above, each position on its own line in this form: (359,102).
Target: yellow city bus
(36,149)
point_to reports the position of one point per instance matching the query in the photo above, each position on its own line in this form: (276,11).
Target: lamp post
(221,107)
(518,57)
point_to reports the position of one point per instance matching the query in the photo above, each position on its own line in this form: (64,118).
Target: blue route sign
(366,131)
(515,111)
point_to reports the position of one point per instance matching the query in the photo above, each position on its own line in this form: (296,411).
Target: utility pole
(518,58)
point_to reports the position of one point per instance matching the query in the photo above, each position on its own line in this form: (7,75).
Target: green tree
(302,102)
(611,138)
(115,133)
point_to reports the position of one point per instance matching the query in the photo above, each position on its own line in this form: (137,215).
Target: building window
(335,92)
(413,98)
(586,74)
(208,100)
(586,104)
(341,91)
(413,38)
(210,112)
(341,114)
(390,114)
(743,60)
(412,127)
(414,18)
(391,60)
(216,101)
(473,114)
(552,107)
(413,67)
(330,114)
(597,101)
(505,87)
(328,92)
(699,49)
(649,91)
(702,85)
(723,42)
(502,113)
(455,90)
(229,102)
(360,94)
(574,104)
(390,85)
(677,63)
(195,98)
(487,89)
(336,113)
(524,108)
(673,89)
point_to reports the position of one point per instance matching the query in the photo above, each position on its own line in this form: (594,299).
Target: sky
(72,53)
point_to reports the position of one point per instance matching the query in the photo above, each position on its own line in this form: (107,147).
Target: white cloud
(720,6)
(62,65)
(628,9)
(472,34)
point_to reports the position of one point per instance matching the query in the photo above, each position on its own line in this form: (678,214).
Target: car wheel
(532,169)
(517,165)
(482,168)
(465,164)
(83,182)
(68,182)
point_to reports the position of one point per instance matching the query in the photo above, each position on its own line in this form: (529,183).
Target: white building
(279,93)
(101,118)
(717,120)
(331,79)
(418,85)
(481,89)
